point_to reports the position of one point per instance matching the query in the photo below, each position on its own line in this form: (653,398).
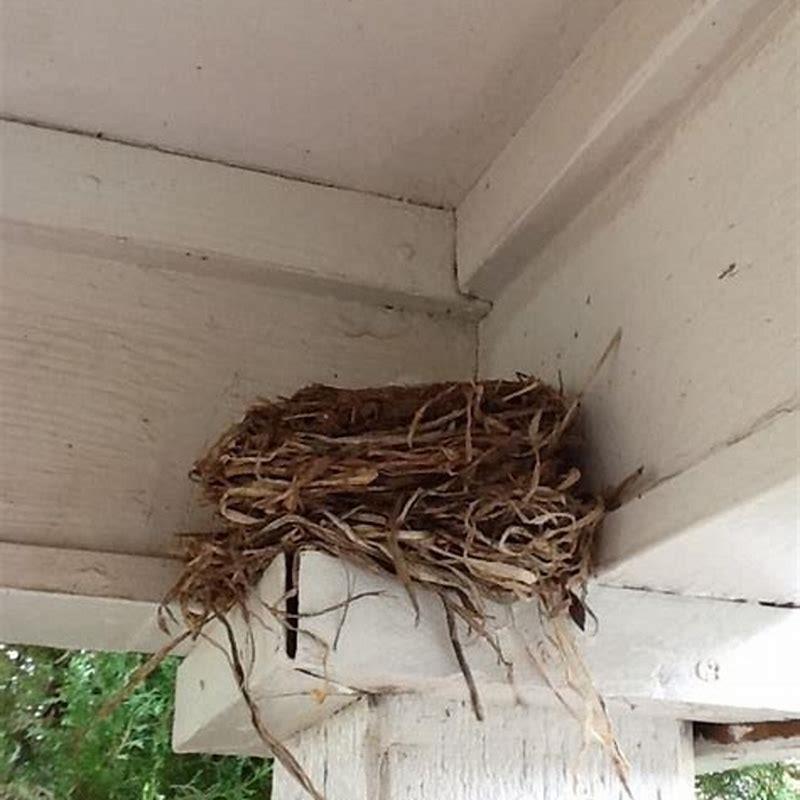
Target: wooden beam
(209,712)
(641,63)
(116,377)
(82,599)
(683,657)
(86,573)
(134,204)
(721,747)
(744,495)
(692,252)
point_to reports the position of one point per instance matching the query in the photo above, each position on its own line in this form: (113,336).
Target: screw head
(707,670)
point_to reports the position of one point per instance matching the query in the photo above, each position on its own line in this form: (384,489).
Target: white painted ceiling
(409,98)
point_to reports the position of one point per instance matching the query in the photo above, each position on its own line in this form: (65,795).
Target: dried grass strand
(275,746)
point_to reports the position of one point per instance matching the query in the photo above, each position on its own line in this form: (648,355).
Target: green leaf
(761,782)
(52,746)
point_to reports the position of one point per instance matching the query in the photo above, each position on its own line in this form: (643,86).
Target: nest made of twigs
(471,489)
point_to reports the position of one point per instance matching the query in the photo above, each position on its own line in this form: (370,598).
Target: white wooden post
(415,747)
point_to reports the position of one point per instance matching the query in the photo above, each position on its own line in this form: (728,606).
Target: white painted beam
(116,377)
(82,599)
(727,526)
(80,622)
(693,252)
(722,747)
(682,657)
(641,63)
(423,748)
(133,204)
(86,572)
(117,372)
(210,715)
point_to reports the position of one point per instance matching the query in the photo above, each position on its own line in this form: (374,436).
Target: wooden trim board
(688,658)
(637,68)
(134,204)
(82,599)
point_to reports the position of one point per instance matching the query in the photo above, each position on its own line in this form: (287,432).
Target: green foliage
(53,748)
(762,782)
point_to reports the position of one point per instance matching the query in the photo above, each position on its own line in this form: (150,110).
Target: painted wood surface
(415,748)
(686,658)
(89,573)
(693,252)
(82,598)
(210,716)
(745,494)
(410,99)
(629,80)
(116,376)
(73,622)
(142,206)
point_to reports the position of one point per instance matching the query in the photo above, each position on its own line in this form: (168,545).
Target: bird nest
(473,490)
(470,489)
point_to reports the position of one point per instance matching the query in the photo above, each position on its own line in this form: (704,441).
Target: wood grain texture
(417,748)
(745,494)
(82,599)
(678,657)
(210,714)
(115,377)
(410,99)
(640,65)
(143,206)
(87,573)
(693,252)
(647,649)
(74,622)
